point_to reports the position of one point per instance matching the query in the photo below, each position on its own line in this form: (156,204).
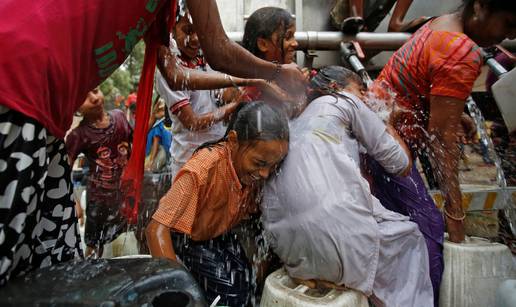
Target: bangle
(454,218)
(276,72)
(228,77)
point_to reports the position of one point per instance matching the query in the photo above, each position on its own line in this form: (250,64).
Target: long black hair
(492,6)
(262,24)
(255,121)
(328,79)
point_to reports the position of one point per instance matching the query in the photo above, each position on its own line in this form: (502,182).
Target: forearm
(222,53)
(445,159)
(209,119)
(154,149)
(400,10)
(179,77)
(159,240)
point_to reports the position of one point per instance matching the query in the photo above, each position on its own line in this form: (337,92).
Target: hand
(468,129)
(291,79)
(294,104)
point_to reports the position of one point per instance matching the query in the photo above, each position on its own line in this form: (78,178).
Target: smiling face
(256,160)
(281,46)
(186,38)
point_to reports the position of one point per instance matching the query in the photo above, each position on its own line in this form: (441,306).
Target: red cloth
(132,177)
(437,63)
(52,52)
(251,93)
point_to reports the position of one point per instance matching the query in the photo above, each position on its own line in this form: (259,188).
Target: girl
(104,138)
(324,221)
(431,76)
(269,35)
(213,192)
(196,118)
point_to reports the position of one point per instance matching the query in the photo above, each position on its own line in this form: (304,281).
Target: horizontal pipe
(328,40)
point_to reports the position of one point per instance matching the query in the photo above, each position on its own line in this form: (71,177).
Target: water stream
(508,209)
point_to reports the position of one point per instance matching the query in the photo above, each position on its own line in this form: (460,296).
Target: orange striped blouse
(206,198)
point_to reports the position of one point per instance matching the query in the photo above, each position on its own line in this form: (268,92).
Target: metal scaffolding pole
(327,40)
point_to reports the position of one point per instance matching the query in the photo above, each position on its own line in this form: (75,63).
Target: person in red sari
(53,53)
(431,76)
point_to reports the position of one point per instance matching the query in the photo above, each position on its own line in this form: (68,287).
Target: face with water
(186,38)
(281,46)
(255,160)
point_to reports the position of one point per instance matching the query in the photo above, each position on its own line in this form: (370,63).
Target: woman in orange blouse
(213,192)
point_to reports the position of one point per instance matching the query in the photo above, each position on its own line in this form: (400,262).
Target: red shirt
(107,150)
(52,52)
(437,63)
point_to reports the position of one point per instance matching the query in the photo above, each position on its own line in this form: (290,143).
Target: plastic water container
(473,271)
(281,291)
(125,244)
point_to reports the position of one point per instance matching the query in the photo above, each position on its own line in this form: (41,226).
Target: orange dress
(206,198)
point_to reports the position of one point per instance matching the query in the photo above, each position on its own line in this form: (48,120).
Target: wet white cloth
(185,141)
(325,223)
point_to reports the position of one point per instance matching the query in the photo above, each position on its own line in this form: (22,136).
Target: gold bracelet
(454,218)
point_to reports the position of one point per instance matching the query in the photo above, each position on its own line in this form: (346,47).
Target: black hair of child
(255,121)
(262,24)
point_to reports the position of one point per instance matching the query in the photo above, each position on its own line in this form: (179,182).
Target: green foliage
(125,79)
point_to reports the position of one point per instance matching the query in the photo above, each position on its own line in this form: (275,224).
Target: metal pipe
(328,40)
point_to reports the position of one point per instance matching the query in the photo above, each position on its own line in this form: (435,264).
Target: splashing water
(508,210)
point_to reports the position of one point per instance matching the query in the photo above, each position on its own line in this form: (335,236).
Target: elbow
(406,171)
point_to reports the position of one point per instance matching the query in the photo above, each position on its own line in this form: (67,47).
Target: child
(324,222)
(104,138)
(196,119)
(213,192)
(158,140)
(269,35)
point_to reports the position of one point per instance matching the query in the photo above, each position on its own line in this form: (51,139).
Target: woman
(431,76)
(325,223)
(213,192)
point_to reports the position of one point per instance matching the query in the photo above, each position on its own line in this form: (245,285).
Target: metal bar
(328,40)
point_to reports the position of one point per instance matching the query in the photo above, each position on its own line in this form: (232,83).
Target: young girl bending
(213,192)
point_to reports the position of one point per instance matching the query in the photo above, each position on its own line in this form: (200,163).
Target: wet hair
(262,24)
(255,121)
(329,78)
(493,6)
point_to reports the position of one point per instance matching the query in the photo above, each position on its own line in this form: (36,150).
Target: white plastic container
(281,291)
(125,244)
(473,271)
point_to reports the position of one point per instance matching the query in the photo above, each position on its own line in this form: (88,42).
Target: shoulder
(117,114)
(206,161)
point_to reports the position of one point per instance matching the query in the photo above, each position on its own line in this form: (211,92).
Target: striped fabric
(206,198)
(437,63)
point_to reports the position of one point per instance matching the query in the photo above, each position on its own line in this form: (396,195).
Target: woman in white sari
(324,222)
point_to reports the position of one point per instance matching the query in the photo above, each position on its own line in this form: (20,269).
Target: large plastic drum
(135,281)
(281,291)
(473,271)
